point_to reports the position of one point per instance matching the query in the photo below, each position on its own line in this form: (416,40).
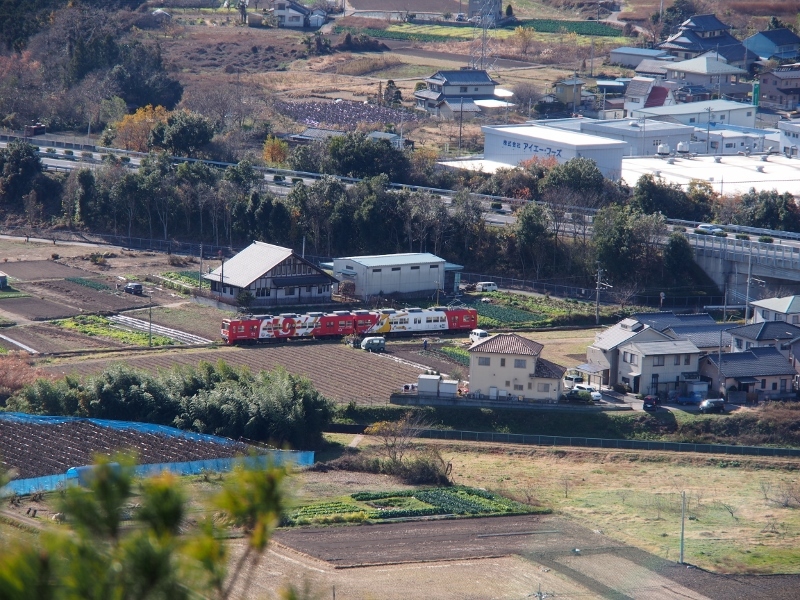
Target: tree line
(270,406)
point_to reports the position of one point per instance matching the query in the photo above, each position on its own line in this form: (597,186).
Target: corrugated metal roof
(786,305)
(638,51)
(462,105)
(508,343)
(395,260)
(655,67)
(756,362)
(250,264)
(665,347)
(639,87)
(614,336)
(663,320)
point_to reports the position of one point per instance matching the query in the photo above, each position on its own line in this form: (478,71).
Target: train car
(341,323)
(424,320)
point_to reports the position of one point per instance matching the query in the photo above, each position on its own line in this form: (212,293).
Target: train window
(417,320)
(342,323)
(241,328)
(329,324)
(428,319)
(225,326)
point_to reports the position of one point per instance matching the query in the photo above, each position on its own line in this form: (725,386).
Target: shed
(631,57)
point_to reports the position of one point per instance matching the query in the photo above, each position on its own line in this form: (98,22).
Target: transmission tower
(485,24)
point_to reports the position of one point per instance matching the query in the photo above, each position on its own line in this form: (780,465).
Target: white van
(374,344)
(478,335)
(486,286)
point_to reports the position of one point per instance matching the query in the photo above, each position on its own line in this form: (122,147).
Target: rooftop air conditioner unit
(717,159)
(760,168)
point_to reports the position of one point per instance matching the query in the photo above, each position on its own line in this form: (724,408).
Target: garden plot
(35,270)
(47,338)
(337,371)
(81,295)
(37,309)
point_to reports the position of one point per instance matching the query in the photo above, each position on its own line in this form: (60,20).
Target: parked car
(133,288)
(461,17)
(651,403)
(709,228)
(582,387)
(374,344)
(486,286)
(712,405)
(692,398)
(571,380)
(478,335)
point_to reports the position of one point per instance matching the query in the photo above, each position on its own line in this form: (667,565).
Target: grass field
(736,521)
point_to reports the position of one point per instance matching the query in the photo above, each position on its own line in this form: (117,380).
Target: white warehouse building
(507,146)
(409,274)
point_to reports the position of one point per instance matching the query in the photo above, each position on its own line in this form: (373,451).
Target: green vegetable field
(362,506)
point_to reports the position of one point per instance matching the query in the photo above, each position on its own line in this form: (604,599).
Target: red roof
(657,97)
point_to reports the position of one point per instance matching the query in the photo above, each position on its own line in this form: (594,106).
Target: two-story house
(507,365)
(646,92)
(713,73)
(451,94)
(780,87)
(701,33)
(774,44)
(661,366)
(775,334)
(569,92)
(603,355)
(789,137)
(785,309)
(289,13)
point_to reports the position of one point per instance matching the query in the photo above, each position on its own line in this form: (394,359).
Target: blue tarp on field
(49,483)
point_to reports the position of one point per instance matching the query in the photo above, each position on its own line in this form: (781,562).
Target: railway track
(175,334)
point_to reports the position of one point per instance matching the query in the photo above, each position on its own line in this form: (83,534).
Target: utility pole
(460,122)
(151,320)
(597,297)
(747,290)
(200,272)
(708,131)
(683,522)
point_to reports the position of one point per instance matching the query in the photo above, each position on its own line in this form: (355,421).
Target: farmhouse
(702,33)
(273,275)
(409,274)
(507,366)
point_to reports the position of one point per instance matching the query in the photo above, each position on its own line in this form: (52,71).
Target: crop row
(460,355)
(101,327)
(95,285)
(399,35)
(506,316)
(185,277)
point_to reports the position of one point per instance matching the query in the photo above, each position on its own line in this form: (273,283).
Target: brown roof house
(507,366)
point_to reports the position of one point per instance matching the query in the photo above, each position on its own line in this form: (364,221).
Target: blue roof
(780,37)
(639,51)
(395,260)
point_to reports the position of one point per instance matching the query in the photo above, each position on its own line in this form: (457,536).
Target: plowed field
(46,338)
(337,371)
(81,298)
(33,270)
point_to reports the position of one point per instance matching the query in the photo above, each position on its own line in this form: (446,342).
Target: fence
(582,442)
(48,483)
(588,294)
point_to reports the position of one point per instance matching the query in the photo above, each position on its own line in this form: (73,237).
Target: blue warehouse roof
(395,260)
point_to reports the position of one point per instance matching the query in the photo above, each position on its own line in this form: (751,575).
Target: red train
(339,323)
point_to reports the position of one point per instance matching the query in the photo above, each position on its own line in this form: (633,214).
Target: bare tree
(624,292)
(397,437)
(730,509)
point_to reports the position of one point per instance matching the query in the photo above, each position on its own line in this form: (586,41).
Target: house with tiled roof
(450,94)
(702,33)
(777,309)
(508,366)
(603,356)
(273,275)
(706,336)
(762,373)
(776,334)
(774,44)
